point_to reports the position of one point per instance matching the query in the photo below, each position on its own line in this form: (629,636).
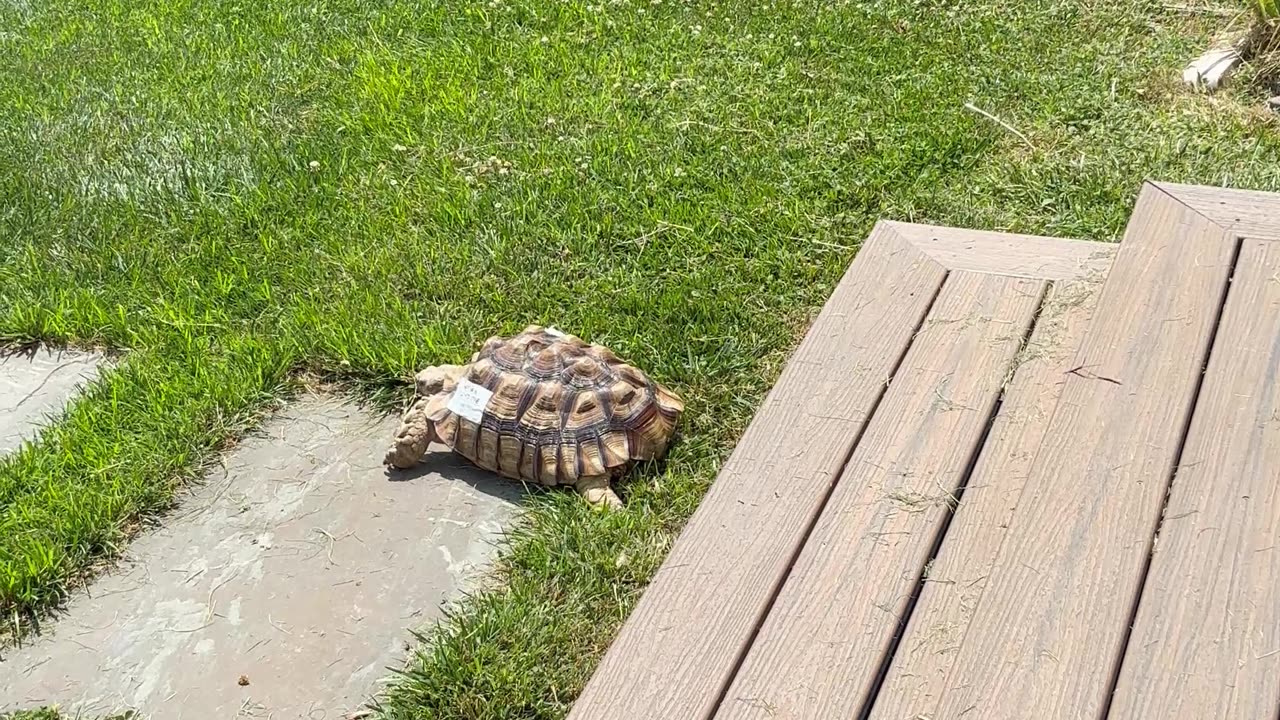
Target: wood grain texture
(820,649)
(1206,639)
(1243,212)
(1008,253)
(1048,631)
(680,645)
(957,576)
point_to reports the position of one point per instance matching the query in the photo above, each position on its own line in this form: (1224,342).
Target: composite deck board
(1243,212)
(1049,628)
(679,647)
(1206,638)
(1077,562)
(820,649)
(998,253)
(942,614)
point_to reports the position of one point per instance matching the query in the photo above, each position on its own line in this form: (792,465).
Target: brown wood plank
(999,253)
(1048,631)
(1243,212)
(680,645)
(820,649)
(958,574)
(1206,639)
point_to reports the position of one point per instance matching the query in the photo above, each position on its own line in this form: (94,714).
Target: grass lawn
(235,194)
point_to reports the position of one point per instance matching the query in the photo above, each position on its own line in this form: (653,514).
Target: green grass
(53,714)
(233,193)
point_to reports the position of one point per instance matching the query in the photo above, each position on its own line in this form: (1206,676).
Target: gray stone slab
(36,385)
(302,566)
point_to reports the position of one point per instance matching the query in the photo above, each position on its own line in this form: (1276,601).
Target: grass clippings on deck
(233,192)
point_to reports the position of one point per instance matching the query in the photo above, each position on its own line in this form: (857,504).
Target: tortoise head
(438,379)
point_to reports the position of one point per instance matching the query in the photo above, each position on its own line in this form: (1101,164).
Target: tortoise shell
(561,409)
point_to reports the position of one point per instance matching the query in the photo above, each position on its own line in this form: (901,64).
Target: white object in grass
(1211,69)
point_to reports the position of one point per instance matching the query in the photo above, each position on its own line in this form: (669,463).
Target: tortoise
(541,406)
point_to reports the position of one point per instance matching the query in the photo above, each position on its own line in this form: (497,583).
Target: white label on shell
(469,400)
(554,332)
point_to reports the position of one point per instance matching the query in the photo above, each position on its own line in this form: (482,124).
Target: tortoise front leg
(415,433)
(595,488)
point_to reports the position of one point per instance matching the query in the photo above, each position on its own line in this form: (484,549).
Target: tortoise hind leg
(595,488)
(415,433)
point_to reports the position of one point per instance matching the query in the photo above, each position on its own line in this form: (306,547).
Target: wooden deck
(1001,477)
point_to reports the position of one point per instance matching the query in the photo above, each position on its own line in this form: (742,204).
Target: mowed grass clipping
(232,193)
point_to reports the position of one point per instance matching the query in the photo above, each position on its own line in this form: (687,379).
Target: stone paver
(301,566)
(35,385)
